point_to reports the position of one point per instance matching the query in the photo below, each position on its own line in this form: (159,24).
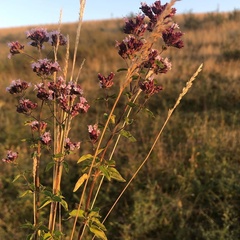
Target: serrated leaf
(115,174)
(128,135)
(80,182)
(49,166)
(25,193)
(74,213)
(85,157)
(99,233)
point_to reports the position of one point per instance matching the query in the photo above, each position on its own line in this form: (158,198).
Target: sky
(14,13)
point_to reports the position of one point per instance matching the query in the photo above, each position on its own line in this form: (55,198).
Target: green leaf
(85,157)
(56,198)
(122,69)
(25,193)
(80,182)
(105,171)
(99,233)
(132,104)
(49,166)
(45,203)
(115,174)
(74,213)
(128,135)
(100,150)
(97,222)
(64,204)
(47,193)
(17,177)
(150,113)
(65,166)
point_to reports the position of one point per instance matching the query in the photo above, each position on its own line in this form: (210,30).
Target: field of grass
(190,187)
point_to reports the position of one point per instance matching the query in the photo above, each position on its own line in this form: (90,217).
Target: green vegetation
(190,187)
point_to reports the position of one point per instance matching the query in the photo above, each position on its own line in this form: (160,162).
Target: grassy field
(190,187)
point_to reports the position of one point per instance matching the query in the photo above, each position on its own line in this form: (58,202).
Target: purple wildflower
(157,63)
(149,87)
(15,48)
(136,28)
(45,67)
(43,93)
(106,82)
(81,107)
(56,38)
(17,86)
(129,46)
(46,138)
(94,132)
(70,146)
(154,11)
(11,157)
(38,37)
(26,106)
(172,38)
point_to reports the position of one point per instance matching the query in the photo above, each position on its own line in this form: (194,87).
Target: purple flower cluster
(149,87)
(94,132)
(70,146)
(45,138)
(11,157)
(17,86)
(26,106)
(15,48)
(38,37)
(56,38)
(137,27)
(68,95)
(172,38)
(129,46)
(45,67)
(156,63)
(153,12)
(106,82)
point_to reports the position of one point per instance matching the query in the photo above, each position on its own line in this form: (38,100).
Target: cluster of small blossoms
(15,48)
(94,132)
(68,95)
(45,138)
(45,67)
(149,87)
(17,86)
(106,82)
(133,43)
(56,38)
(70,146)
(11,157)
(39,36)
(26,106)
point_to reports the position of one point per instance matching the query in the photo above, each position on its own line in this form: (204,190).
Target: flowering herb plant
(65,101)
